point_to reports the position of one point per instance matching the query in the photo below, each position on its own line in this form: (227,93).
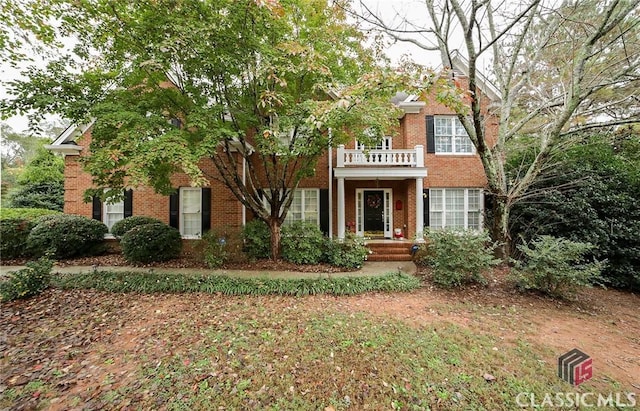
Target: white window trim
(181,213)
(466,208)
(455,120)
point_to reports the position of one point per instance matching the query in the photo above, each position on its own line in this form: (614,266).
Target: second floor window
(384,144)
(450,137)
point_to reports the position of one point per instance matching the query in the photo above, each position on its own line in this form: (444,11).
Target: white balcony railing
(376,158)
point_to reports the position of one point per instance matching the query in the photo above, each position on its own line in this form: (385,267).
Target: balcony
(380,158)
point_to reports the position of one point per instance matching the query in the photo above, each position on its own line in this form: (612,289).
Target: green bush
(25,213)
(66,235)
(555,266)
(219,246)
(349,253)
(257,239)
(28,281)
(121,227)
(458,258)
(151,242)
(13,237)
(302,243)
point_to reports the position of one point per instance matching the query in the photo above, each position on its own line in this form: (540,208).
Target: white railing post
(419,156)
(340,159)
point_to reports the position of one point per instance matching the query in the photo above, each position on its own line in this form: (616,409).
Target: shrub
(257,238)
(458,257)
(151,242)
(28,281)
(65,235)
(349,253)
(13,237)
(25,213)
(555,266)
(222,245)
(302,243)
(121,227)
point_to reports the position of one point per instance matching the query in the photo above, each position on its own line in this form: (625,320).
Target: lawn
(426,349)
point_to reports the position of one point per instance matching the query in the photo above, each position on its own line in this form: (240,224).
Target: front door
(374,213)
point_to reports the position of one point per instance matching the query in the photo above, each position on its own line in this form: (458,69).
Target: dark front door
(374,211)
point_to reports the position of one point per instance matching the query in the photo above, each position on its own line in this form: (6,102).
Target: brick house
(428,175)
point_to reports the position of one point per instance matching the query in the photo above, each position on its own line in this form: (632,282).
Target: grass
(151,282)
(276,353)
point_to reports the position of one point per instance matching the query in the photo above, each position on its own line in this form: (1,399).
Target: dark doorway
(374,212)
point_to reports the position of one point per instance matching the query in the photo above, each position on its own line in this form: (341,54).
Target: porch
(380,191)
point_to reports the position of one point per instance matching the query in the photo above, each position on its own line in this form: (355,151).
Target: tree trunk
(500,229)
(274,227)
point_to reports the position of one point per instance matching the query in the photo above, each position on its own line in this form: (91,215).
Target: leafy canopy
(251,76)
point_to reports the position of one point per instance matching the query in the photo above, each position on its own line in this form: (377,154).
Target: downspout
(244,183)
(330,185)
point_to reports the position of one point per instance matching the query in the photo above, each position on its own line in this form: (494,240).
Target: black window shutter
(96,212)
(425,207)
(324,210)
(431,144)
(128,203)
(206,209)
(174,209)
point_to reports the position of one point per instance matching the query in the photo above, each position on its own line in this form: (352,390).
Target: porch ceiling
(380,173)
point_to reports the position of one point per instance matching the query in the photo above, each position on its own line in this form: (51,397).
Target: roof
(66,141)
(461,65)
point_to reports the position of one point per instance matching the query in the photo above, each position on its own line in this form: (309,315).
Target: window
(384,144)
(190,212)
(455,208)
(113,213)
(305,206)
(450,137)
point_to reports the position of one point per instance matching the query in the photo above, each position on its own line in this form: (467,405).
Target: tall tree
(560,68)
(271,83)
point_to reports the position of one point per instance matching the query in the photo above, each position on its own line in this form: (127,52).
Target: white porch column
(419,211)
(341,222)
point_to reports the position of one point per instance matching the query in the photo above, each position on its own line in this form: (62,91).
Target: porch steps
(389,250)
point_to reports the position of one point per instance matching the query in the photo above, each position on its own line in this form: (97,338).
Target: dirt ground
(605,324)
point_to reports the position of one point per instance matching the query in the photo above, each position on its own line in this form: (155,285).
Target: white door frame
(387,218)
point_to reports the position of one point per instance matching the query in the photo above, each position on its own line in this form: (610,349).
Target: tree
(41,182)
(592,195)
(271,84)
(20,150)
(560,68)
